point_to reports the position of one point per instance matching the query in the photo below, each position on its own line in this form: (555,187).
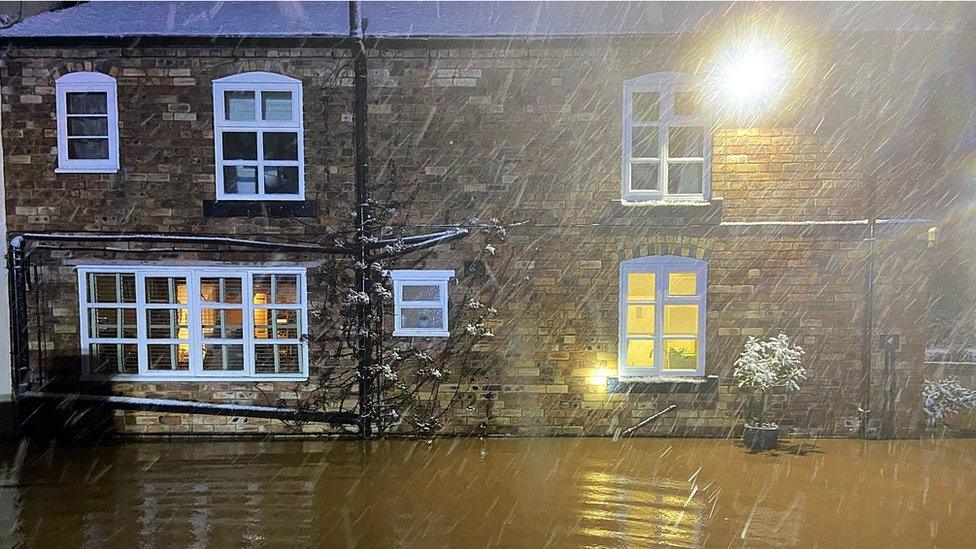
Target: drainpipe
(363,318)
(864,410)
(19,335)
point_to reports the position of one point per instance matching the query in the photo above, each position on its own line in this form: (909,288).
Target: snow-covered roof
(462,19)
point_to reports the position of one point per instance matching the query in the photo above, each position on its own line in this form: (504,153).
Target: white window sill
(693,378)
(260,198)
(411,333)
(665,202)
(169,379)
(87,170)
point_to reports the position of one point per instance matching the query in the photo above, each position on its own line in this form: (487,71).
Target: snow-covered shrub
(943,398)
(767,365)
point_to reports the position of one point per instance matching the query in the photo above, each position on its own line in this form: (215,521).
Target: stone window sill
(662,385)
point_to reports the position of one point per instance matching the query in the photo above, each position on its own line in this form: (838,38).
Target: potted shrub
(764,367)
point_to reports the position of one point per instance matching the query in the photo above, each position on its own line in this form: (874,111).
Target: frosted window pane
(644,142)
(427,292)
(422,318)
(685,178)
(685,141)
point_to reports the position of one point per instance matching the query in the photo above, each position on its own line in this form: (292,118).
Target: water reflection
(496,493)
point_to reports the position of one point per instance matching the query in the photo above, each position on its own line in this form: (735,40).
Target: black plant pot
(758,439)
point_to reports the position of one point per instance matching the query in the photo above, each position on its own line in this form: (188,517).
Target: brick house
(659,222)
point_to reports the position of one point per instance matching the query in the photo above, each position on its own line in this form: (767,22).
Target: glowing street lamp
(750,76)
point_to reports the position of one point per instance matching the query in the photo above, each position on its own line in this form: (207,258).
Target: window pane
(276,324)
(111,288)
(169,357)
(640,319)
(240,145)
(240,180)
(422,318)
(644,142)
(221,357)
(276,105)
(113,358)
(88,125)
(88,149)
(220,290)
(685,141)
(86,102)
(687,103)
(682,284)
(646,106)
(223,323)
(280,146)
(285,288)
(680,319)
(276,359)
(643,177)
(640,286)
(281,179)
(640,353)
(680,354)
(239,105)
(112,323)
(426,292)
(166,289)
(685,178)
(167,323)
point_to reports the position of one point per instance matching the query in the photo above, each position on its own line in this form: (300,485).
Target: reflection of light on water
(656,511)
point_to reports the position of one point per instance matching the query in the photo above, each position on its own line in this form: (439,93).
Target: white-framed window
(158,322)
(259,137)
(88,123)
(666,143)
(420,303)
(662,316)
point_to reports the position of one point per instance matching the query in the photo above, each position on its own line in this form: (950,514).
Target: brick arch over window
(84,66)
(690,247)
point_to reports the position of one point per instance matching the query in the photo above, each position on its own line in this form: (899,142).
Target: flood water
(496,492)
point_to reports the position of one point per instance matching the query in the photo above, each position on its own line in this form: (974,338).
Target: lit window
(88,123)
(258,136)
(164,322)
(420,303)
(662,316)
(666,144)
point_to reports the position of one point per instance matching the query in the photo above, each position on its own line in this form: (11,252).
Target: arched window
(666,144)
(88,123)
(662,316)
(258,136)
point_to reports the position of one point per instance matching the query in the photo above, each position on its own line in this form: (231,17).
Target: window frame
(403,278)
(87,82)
(661,266)
(258,82)
(194,305)
(667,84)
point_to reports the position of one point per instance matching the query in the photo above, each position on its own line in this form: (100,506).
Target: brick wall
(522,131)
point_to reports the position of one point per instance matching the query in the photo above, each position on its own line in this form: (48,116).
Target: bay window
(258,137)
(160,322)
(662,316)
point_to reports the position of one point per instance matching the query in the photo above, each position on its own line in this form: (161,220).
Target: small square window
(420,303)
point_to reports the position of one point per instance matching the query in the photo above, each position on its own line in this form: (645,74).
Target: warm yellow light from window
(681,320)
(640,286)
(600,376)
(640,319)
(640,353)
(682,284)
(680,354)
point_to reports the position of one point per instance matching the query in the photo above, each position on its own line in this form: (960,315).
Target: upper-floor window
(666,144)
(420,303)
(258,136)
(662,316)
(176,322)
(88,123)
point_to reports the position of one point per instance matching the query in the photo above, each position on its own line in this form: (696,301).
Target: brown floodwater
(539,492)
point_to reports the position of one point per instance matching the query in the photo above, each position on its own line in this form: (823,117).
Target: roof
(463,19)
